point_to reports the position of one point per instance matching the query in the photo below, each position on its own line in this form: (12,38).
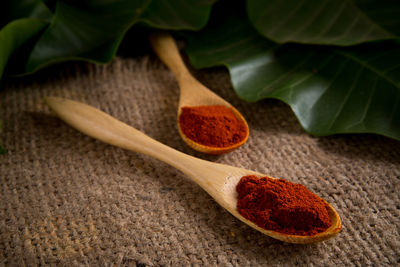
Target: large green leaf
(15,34)
(93,30)
(325,22)
(331,90)
(20,21)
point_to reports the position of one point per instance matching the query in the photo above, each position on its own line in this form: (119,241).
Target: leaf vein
(334,18)
(342,105)
(310,20)
(287,18)
(371,68)
(368,104)
(288,72)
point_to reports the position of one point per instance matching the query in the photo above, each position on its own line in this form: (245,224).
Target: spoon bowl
(215,150)
(216,179)
(192,92)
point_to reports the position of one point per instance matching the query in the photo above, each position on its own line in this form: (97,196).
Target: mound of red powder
(282,206)
(214,126)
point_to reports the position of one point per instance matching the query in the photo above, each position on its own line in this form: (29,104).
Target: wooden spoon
(216,179)
(192,92)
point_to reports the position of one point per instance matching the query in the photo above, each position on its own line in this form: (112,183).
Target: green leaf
(331,90)
(329,22)
(93,30)
(15,34)
(178,14)
(21,21)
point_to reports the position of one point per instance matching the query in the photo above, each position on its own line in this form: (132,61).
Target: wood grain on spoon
(192,92)
(218,180)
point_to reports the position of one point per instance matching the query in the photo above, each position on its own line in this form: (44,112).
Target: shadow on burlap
(67,199)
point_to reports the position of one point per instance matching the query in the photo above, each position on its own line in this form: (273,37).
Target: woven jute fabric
(69,200)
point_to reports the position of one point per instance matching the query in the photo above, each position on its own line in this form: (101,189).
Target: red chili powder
(214,126)
(282,206)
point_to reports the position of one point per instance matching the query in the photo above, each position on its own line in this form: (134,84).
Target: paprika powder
(213,126)
(282,206)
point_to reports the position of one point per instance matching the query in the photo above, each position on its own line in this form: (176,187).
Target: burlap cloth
(67,199)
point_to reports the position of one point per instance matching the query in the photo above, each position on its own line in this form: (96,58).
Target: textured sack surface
(67,199)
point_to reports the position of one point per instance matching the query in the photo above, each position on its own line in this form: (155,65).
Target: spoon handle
(165,47)
(99,125)
(192,92)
